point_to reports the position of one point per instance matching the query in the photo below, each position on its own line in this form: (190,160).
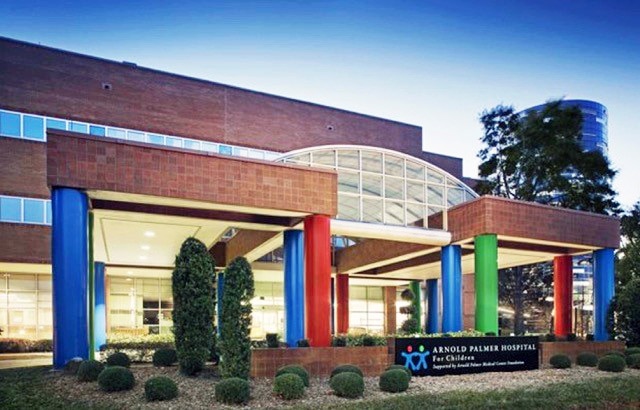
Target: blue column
(219,293)
(294,286)
(603,289)
(433,307)
(451,289)
(100,309)
(70,260)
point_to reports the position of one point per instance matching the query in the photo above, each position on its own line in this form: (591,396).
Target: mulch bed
(198,392)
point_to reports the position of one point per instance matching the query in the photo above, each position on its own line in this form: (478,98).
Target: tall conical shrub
(193,305)
(235,345)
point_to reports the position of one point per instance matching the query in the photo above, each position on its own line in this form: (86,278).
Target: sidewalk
(12,360)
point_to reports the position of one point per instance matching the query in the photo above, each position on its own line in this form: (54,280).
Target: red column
(317,253)
(342,296)
(562,294)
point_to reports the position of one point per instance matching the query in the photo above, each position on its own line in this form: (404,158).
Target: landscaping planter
(573,349)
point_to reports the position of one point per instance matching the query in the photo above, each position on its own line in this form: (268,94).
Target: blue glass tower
(594,124)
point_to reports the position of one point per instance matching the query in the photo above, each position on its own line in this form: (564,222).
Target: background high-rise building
(594,123)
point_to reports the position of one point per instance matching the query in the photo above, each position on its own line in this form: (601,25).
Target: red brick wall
(23,243)
(320,361)
(51,82)
(468,301)
(573,349)
(24,167)
(80,161)
(528,220)
(390,325)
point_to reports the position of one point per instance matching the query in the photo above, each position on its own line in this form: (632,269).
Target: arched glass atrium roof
(382,186)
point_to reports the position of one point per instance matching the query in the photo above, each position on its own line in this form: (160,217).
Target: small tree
(193,305)
(411,325)
(235,345)
(625,310)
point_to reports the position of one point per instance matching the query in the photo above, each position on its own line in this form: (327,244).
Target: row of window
(25,306)
(25,210)
(33,127)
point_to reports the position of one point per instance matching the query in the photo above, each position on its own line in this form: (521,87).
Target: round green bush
(119,359)
(116,378)
(394,381)
(160,388)
(614,353)
(560,361)
(232,391)
(89,370)
(632,350)
(346,368)
(633,361)
(587,359)
(289,386)
(400,367)
(347,384)
(295,369)
(164,357)
(611,363)
(191,365)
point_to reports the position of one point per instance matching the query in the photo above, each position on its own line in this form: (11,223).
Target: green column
(417,313)
(486,281)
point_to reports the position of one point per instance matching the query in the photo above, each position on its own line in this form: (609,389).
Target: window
(226,150)
(34,211)
(135,136)
(10,209)
(191,144)
(9,124)
(174,142)
(116,133)
(33,127)
(366,308)
(56,124)
(97,131)
(156,139)
(25,305)
(78,127)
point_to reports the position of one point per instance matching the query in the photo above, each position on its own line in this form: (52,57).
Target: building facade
(108,167)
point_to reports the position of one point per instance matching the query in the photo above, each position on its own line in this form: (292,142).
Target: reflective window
(10,124)
(324,158)
(135,136)
(348,207)
(372,210)
(174,142)
(371,184)
(56,124)
(348,159)
(34,211)
(10,209)
(191,144)
(415,191)
(372,161)
(48,212)
(209,147)
(33,127)
(116,133)
(394,188)
(97,131)
(226,150)
(435,194)
(349,182)
(78,127)
(156,139)
(394,213)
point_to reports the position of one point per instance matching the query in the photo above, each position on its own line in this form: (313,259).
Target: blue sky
(436,64)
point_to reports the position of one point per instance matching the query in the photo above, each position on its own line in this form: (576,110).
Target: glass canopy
(383,186)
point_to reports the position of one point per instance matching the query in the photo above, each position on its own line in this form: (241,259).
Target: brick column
(342,298)
(390,326)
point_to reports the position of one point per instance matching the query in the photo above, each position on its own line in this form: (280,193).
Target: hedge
(13,345)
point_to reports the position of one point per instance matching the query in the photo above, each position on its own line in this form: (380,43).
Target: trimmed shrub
(589,337)
(194,304)
(490,334)
(339,341)
(347,384)
(410,326)
(119,359)
(191,365)
(400,367)
(233,390)
(273,340)
(89,370)
(303,343)
(346,368)
(289,386)
(235,344)
(550,337)
(572,337)
(116,378)
(72,366)
(295,369)
(368,340)
(42,345)
(139,348)
(160,388)
(14,345)
(407,295)
(165,357)
(614,353)
(633,361)
(560,361)
(587,359)
(394,381)
(632,350)
(611,363)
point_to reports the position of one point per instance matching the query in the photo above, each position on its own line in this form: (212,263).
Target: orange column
(342,296)
(562,294)
(317,251)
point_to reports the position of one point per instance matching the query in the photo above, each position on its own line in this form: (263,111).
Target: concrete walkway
(13,360)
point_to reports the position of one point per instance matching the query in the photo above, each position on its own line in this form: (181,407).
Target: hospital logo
(415,360)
